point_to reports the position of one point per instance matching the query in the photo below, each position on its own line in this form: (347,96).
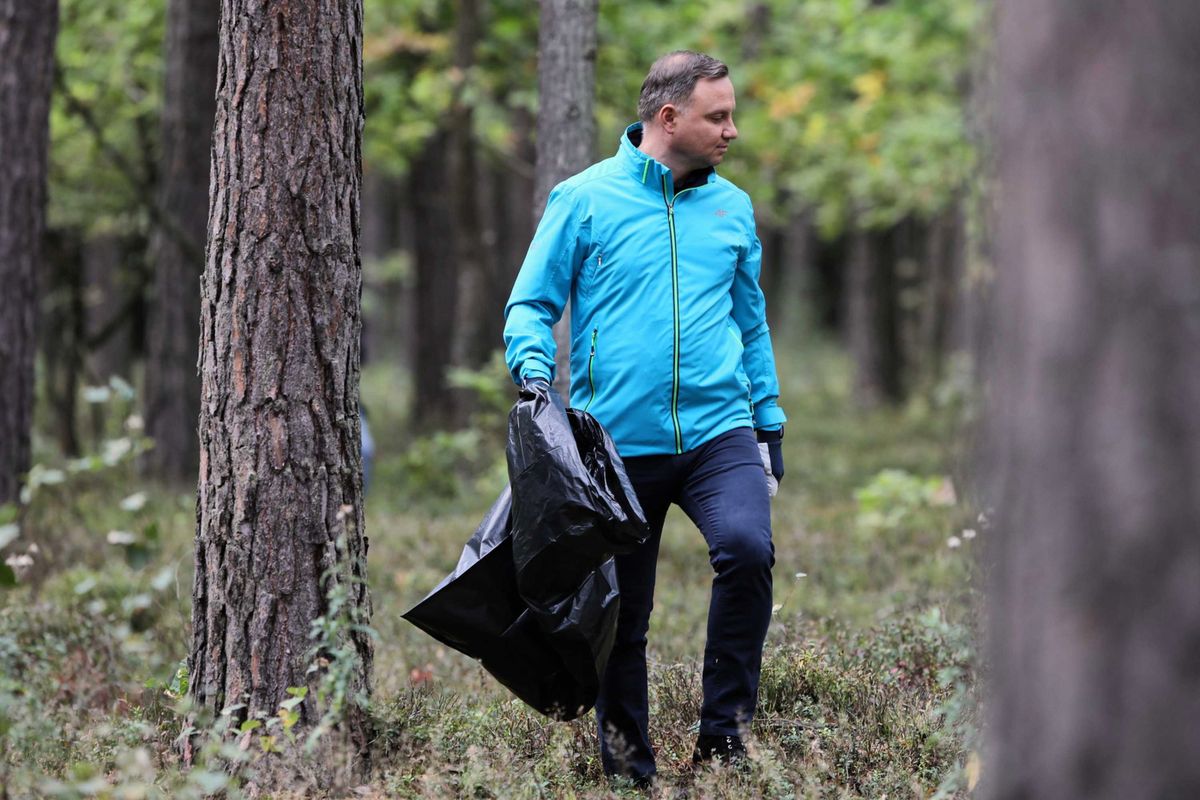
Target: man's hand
(770,447)
(535,384)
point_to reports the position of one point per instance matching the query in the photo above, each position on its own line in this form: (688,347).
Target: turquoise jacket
(669,339)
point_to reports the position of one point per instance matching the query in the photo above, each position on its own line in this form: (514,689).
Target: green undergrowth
(868,681)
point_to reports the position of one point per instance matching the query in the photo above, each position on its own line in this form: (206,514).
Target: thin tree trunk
(436,292)
(796,299)
(942,291)
(172,393)
(107,318)
(474,342)
(566,127)
(279,511)
(514,202)
(27,33)
(62,334)
(870,318)
(1094,433)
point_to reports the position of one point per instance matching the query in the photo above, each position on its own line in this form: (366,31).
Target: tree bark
(436,293)
(279,509)
(172,391)
(566,126)
(27,33)
(1093,430)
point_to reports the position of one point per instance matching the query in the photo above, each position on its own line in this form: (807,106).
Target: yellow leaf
(869,86)
(814,131)
(792,101)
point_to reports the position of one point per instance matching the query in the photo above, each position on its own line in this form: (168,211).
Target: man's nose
(730,131)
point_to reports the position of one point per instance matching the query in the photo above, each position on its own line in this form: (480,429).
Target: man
(670,351)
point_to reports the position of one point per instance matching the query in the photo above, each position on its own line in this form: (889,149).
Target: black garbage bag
(534,595)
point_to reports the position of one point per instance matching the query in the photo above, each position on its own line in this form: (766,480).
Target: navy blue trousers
(722,487)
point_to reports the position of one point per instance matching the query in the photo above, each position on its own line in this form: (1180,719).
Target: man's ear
(667,117)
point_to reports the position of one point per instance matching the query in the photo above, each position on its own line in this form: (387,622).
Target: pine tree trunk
(279,511)
(172,394)
(566,127)
(1094,430)
(27,33)
(436,291)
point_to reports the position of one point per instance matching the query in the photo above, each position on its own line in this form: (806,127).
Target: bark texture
(280,499)
(566,126)
(27,32)
(172,393)
(1094,429)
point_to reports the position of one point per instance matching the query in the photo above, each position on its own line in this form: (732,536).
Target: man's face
(704,127)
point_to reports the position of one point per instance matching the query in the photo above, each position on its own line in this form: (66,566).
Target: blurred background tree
(26,64)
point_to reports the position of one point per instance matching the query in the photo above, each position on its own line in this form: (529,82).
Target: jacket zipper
(591,378)
(675,301)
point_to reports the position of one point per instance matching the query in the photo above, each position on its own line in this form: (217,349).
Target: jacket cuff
(533,368)
(769,417)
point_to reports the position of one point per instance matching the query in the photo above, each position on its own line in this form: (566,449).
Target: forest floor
(869,685)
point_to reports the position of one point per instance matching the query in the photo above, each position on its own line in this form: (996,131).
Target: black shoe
(725,749)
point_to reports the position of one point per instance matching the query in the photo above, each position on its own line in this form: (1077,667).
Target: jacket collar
(645,169)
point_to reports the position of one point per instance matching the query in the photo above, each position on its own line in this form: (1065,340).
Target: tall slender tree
(172,393)
(566,125)
(870,319)
(27,33)
(436,289)
(279,511)
(1094,422)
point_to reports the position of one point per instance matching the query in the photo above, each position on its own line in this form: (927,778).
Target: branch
(143,187)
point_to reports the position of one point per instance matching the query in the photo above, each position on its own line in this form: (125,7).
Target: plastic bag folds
(534,595)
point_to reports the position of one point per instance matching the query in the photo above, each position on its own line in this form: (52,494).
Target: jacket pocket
(740,369)
(591,372)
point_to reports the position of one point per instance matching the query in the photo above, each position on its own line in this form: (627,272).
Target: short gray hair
(672,79)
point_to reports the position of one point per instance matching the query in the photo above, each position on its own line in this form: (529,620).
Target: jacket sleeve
(758,357)
(542,287)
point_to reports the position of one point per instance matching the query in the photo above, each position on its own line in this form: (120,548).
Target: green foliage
(439,468)
(104,118)
(410,82)
(852,108)
(66,514)
(868,683)
(894,498)
(335,656)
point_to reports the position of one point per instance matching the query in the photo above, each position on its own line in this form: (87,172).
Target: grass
(868,684)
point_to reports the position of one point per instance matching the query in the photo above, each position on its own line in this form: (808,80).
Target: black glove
(774,442)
